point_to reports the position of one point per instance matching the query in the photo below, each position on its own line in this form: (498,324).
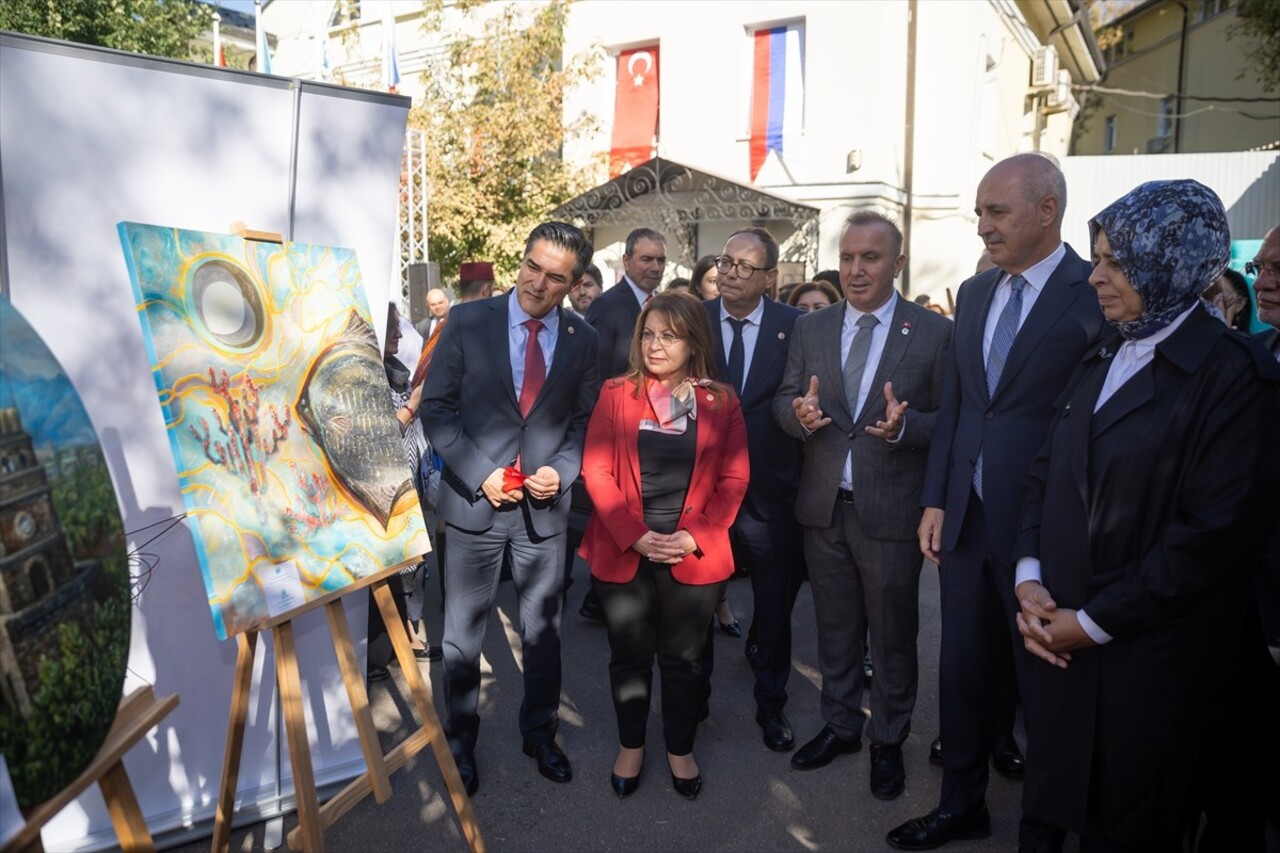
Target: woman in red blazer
(666,466)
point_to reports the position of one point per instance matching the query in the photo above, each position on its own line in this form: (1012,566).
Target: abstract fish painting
(276,403)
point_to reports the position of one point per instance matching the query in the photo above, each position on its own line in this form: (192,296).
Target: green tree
(1259,23)
(495,128)
(156,27)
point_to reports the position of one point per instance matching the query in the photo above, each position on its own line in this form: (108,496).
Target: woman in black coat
(1142,519)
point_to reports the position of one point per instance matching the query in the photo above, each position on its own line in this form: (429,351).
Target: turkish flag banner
(635,110)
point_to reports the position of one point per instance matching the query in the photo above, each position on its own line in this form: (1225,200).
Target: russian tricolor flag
(777,91)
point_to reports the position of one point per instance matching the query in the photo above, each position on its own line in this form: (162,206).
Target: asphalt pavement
(751,798)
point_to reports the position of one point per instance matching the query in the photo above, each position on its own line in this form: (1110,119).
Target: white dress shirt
(518,338)
(750,334)
(1036,277)
(1130,358)
(641,296)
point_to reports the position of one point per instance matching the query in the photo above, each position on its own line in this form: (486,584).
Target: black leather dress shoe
(624,786)
(822,749)
(591,607)
(888,777)
(777,731)
(935,750)
(938,827)
(552,762)
(687,788)
(1007,758)
(467,770)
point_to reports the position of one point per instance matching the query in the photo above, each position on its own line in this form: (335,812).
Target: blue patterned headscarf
(1171,241)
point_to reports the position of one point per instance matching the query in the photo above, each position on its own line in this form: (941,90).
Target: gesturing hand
(891,426)
(808,410)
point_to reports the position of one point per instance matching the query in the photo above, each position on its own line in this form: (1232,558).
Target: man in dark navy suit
(1020,330)
(613,313)
(751,334)
(509,426)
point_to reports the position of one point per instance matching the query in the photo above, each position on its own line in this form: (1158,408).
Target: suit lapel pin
(572,330)
(906,328)
(782,336)
(710,399)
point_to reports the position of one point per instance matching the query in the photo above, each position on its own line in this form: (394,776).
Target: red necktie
(535,368)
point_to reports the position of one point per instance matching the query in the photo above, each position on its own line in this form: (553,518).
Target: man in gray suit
(862,383)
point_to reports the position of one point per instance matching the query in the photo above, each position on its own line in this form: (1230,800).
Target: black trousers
(772,552)
(982,660)
(655,615)
(475,566)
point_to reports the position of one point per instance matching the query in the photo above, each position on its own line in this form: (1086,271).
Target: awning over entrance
(676,199)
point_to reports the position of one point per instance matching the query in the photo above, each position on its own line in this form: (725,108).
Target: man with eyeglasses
(751,333)
(510,431)
(862,387)
(1266,289)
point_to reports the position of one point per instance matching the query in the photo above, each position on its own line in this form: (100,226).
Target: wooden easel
(138,714)
(312,817)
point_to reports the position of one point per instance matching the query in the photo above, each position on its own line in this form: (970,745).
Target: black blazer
(774,455)
(472,417)
(1149,515)
(613,315)
(1009,426)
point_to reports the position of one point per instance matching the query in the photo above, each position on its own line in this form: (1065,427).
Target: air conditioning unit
(1158,144)
(1044,68)
(1059,97)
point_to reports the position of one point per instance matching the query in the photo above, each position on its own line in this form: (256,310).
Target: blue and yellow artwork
(289,456)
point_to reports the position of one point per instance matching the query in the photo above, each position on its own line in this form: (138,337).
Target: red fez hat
(476,271)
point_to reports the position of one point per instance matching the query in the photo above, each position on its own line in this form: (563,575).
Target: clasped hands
(541,484)
(1048,632)
(666,547)
(809,412)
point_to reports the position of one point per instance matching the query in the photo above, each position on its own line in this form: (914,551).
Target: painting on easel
(276,403)
(64,575)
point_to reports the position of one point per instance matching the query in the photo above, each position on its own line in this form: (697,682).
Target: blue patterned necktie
(1001,343)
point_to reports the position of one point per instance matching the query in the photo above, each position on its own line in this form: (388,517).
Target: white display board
(90,138)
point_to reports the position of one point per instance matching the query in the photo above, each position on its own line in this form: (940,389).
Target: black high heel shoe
(687,788)
(624,787)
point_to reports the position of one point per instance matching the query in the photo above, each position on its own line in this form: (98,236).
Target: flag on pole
(219,58)
(635,109)
(390,63)
(263,64)
(777,91)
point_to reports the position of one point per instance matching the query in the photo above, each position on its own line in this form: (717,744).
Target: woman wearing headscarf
(1142,519)
(666,464)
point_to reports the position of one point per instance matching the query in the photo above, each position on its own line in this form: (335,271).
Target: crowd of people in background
(1085,448)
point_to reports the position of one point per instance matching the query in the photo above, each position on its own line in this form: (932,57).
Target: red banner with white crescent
(635,112)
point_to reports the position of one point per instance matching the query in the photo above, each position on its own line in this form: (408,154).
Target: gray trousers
(860,583)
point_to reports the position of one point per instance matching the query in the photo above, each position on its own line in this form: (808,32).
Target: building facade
(1176,82)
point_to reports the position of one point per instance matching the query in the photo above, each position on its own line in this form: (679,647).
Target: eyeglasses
(665,340)
(1257,268)
(724,263)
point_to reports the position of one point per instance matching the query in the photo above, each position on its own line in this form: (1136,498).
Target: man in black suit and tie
(1020,330)
(613,315)
(509,426)
(751,333)
(859,496)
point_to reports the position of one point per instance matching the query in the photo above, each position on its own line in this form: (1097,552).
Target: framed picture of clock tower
(64,577)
